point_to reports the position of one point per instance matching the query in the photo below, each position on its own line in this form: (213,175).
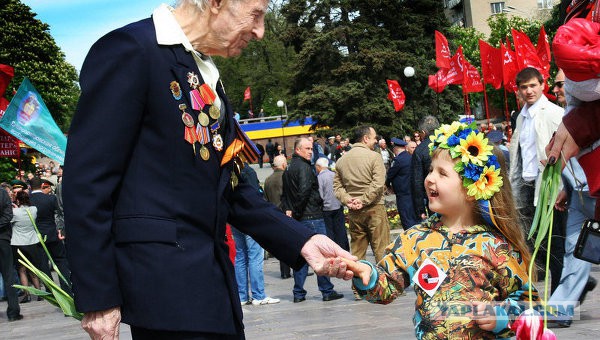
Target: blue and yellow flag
(28,119)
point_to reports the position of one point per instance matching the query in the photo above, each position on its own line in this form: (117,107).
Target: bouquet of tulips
(55,295)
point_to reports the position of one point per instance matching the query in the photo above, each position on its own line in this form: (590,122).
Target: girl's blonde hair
(503,208)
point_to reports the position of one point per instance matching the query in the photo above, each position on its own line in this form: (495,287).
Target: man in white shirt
(536,123)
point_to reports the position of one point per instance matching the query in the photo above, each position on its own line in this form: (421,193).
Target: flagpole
(251,109)
(506,106)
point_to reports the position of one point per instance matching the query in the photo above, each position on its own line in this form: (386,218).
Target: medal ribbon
(196,99)
(207,94)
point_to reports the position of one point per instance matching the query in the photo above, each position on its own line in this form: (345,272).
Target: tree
(346,51)
(26,45)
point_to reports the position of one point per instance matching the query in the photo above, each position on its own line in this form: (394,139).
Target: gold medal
(187,119)
(234,180)
(214,112)
(204,153)
(203,119)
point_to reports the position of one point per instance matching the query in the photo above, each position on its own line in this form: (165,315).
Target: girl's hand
(484,315)
(361,270)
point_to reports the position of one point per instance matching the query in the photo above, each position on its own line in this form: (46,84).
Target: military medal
(207,94)
(203,119)
(234,180)
(217,139)
(187,119)
(214,112)
(193,80)
(218,142)
(175,90)
(196,99)
(204,153)
(203,134)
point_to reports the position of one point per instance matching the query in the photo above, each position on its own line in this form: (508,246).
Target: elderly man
(410,147)
(273,190)
(301,200)
(360,183)
(333,211)
(386,154)
(156,136)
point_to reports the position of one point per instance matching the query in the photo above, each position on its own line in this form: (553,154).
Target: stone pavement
(311,319)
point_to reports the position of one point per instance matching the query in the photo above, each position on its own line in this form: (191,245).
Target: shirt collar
(168,31)
(529,111)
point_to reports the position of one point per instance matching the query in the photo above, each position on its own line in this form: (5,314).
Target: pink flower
(528,326)
(548,335)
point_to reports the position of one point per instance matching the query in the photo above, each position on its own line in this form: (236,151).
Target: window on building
(545,4)
(497,7)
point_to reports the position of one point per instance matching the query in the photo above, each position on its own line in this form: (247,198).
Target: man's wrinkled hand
(102,325)
(321,253)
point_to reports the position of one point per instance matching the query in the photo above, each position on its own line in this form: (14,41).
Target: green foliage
(26,45)
(346,51)
(501,25)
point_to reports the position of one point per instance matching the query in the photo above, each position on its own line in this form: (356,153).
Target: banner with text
(28,119)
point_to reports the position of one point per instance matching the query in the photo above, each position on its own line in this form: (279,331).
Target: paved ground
(311,319)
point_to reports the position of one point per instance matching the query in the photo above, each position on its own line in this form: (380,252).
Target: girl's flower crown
(478,167)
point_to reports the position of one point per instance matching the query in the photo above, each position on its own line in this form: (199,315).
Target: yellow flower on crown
(487,185)
(474,149)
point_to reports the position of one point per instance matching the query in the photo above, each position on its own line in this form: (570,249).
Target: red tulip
(548,335)
(528,325)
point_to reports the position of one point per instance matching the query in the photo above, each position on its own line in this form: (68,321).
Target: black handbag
(588,243)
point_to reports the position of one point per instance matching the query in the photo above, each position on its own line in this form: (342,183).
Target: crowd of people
(25,200)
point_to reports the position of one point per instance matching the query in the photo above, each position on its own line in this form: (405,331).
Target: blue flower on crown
(493,161)
(464,133)
(473,171)
(453,140)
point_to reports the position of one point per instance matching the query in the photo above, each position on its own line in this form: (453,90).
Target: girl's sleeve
(388,277)
(514,284)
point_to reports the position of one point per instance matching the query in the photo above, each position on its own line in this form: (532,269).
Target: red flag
(543,50)
(526,53)
(509,68)
(491,64)
(471,79)
(396,94)
(455,74)
(6,75)
(442,51)
(247,94)
(437,81)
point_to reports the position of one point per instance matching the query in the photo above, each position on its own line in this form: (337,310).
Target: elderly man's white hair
(322,162)
(201,4)
(279,161)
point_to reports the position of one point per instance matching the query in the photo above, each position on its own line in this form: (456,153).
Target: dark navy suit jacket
(398,175)
(145,216)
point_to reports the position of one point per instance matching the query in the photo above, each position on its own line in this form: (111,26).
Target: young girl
(469,262)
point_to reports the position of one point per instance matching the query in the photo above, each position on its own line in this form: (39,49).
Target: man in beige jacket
(359,183)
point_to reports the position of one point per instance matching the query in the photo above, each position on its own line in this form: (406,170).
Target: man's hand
(561,141)
(354,203)
(321,253)
(102,325)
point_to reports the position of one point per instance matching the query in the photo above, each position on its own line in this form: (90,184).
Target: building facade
(475,13)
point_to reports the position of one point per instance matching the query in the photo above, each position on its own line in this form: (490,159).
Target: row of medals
(199,134)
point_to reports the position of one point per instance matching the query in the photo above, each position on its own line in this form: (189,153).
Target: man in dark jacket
(421,161)
(398,177)
(6,257)
(302,201)
(47,209)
